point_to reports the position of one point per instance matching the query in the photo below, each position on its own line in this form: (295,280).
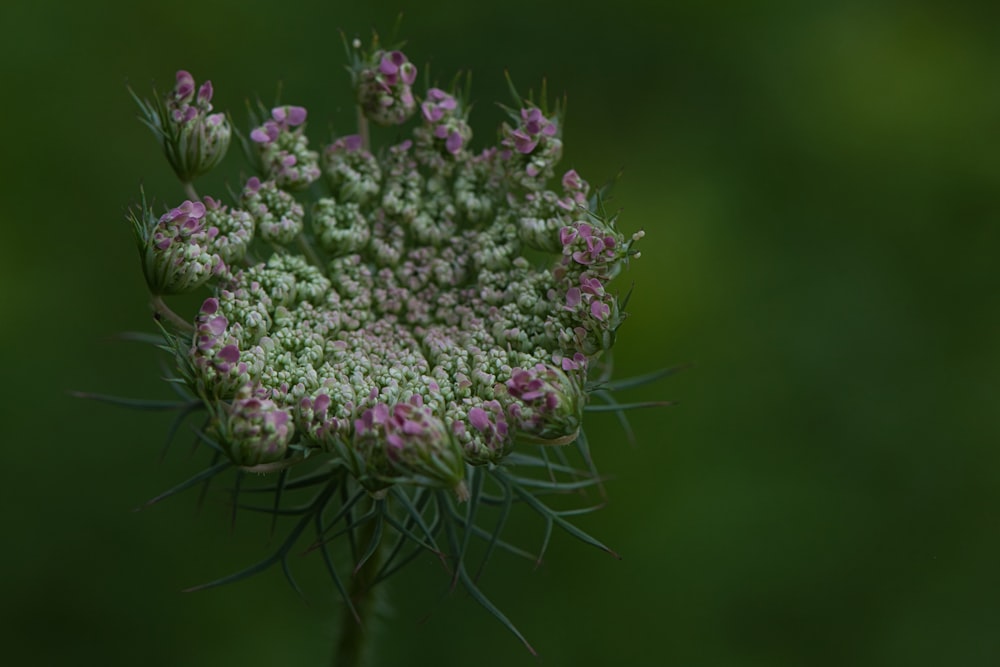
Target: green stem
(164,311)
(309,252)
(356,632)
(191,193)
(363,129)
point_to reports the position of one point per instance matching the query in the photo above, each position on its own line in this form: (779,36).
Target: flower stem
(308,251)
(353,644)
(191,193)
(363,129)
(163,310)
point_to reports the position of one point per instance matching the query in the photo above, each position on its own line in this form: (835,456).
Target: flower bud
(255,430)
(234,230)
(594,247)
(283,149)
(176,250)
(483,433)
(353,172)
(288,280)
(548,402)
(383,87)
(478,190)
(277,216)
(319,423)
(220,367)
(445,133)
(409,439)
(540,218)
(193,138)
(340,228)
(533,148)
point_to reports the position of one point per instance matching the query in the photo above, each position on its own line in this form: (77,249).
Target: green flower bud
(548,402)
(255,430)
(408,439)
(235,230)
(353,172)
(341,229)
(221,368)
(482,431)
(383,86)
(283,150)
(277,216)
(176,249)
(193,139)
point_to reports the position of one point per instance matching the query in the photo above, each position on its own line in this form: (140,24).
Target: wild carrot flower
(388,333)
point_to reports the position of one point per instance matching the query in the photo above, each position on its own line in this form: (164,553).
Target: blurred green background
(819,186)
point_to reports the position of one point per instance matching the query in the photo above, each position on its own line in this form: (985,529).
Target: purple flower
(184,88)
(205,93)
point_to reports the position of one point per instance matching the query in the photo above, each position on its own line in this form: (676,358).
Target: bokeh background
(819,186)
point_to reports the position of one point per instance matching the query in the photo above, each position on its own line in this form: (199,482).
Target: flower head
(445,132)
(548,401)
(383,83)
(255,430)
(283,149)
(352,171)
(439,318)
(533,147)
(194,139)
(278,217)
(179,251)
(406,439)
(233,230)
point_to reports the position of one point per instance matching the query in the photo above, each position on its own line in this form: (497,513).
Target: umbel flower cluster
(403,333)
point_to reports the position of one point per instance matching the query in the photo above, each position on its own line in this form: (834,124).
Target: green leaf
(177,422)
(555,486)
(606,396)
(376,514)
(281,554)
(140,337)
(328,561)
(547,513)
(204,475)
(136,403)
(414,511)
(479,597)
(640,380)
(619,407)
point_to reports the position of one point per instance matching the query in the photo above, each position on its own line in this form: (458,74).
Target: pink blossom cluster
(439,111)
(185,104)
(384,88)
(490,423)
(215,352)
(258,430)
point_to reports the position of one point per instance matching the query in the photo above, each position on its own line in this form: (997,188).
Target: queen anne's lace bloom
(395,319)
(418,300)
